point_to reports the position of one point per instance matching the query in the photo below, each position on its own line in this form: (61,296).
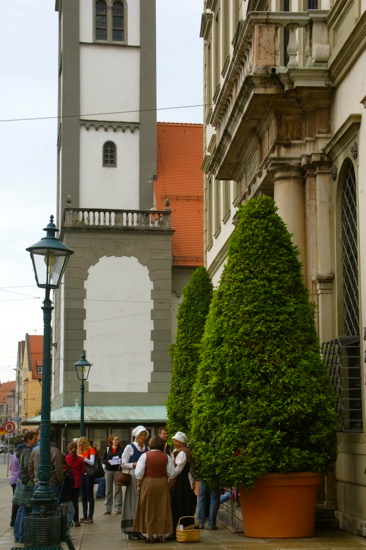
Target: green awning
(103,415)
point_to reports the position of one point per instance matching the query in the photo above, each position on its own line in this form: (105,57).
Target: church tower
(107,104)
(115,301)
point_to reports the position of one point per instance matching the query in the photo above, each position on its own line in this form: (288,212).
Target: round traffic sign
(9,427)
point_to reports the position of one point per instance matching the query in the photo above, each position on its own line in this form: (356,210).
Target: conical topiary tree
(262,401)
(192,315)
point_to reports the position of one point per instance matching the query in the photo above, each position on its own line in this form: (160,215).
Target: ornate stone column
(325,276)
(289,197)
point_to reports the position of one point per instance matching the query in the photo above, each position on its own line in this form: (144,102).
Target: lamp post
(49,258)
(82,368)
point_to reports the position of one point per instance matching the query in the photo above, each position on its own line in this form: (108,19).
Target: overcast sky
(28,105)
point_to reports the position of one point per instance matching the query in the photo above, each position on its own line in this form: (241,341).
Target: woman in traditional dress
(87,452)
(154,514)
(183,498)
(130,456)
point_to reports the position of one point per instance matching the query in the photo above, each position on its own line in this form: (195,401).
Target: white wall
(118,325)
(109,187)
(109,82)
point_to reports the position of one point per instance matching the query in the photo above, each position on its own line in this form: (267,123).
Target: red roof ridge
(199,124)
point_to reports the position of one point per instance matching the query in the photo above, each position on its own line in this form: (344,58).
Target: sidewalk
(105,533)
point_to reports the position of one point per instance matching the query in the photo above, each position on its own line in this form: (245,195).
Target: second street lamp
(82,368)
(49,257)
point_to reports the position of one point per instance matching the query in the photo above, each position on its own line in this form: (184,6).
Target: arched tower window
(118,22)
(101,20)
(109,154)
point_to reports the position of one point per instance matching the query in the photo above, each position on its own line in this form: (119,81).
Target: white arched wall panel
(118,309)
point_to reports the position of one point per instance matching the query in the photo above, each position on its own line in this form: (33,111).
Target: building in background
(285,100)
(7,406)
(128,221)
(28,384)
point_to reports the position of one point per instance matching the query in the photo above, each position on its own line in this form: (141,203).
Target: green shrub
(262,401)
(192,315)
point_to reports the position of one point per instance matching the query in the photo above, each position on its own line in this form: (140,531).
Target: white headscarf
(181,436)
(136,431)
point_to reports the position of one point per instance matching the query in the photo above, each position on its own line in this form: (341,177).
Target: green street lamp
(82,368)
(49,257)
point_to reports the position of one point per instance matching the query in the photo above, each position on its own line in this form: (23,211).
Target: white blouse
(141,465)
(180,462)
(127,453)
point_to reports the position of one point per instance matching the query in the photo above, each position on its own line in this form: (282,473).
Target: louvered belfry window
(101,20)
(118,22)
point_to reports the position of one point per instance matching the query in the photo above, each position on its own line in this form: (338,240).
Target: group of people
(24,466)
(160,492)
(68,477)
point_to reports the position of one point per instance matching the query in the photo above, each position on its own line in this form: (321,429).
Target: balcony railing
(270,43)
(100,218)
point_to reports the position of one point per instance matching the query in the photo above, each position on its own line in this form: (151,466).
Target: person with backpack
(57,469)
(112,462)
(30,440)
(76,465)
(14,469)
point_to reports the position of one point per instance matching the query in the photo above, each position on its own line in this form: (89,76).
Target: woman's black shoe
(140,536)
(133,536)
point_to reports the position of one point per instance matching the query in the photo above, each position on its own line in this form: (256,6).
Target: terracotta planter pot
(280,506)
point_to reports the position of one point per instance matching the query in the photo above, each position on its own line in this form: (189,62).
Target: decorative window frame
(109,39)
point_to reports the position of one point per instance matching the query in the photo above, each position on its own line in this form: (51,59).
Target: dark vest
(136,454)
(156,462)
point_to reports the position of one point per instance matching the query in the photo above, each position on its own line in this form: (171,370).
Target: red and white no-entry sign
(9,427)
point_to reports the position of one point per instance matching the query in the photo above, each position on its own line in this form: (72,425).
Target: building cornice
(343,137)
(109,125)
(346,56)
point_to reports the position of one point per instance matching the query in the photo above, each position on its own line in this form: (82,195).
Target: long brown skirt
(153,512)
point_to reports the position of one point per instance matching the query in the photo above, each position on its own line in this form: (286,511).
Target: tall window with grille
(351,364)
(351,311)
(109,154)
(342,355)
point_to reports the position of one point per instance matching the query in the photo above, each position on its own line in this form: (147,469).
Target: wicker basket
(188,534)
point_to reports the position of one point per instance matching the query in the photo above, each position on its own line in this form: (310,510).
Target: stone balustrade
(116,219)
(270,43)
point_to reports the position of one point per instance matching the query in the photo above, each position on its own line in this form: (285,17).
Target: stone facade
(285,100)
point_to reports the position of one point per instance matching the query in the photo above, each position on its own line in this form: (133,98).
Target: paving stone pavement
(105,533)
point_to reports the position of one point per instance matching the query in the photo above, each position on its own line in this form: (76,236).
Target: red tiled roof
(5,390)
(180,180)
(35,354)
